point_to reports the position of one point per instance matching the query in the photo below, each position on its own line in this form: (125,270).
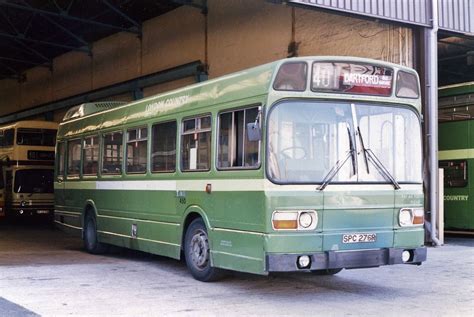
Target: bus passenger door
(59,180)
(8,190)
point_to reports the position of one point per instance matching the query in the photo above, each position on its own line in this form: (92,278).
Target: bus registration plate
(359,237)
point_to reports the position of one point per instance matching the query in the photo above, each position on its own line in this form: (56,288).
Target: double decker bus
(456,155)
(305,164)
(27,161)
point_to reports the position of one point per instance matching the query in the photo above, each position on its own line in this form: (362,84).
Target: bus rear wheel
(91,242)
(326,272)
(197,253)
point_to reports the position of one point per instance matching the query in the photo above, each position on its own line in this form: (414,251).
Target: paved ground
(45,272)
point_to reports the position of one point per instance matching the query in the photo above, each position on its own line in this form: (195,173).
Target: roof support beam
(13,71)
(456,44)
(25,61)
(26,39)
(32,50)
(66,30)
(123,15)
(450,58)
(65,15)
(191,69)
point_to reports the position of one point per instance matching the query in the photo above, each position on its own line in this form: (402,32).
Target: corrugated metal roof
(454,15)
(408,11)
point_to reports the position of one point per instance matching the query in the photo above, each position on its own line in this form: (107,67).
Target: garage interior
(58,54)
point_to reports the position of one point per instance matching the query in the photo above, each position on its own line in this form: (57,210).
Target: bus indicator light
(285,220)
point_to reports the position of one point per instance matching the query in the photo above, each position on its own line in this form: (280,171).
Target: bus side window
(137,150)
(112,153)
(9,136)
(196,144)
(455,173)
(90,155)
(234,149)
(74,157)
(163,155)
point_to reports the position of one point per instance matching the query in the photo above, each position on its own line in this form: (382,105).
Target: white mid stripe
(221,185)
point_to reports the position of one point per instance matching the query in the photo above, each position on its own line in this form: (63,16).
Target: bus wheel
(198,254)
(91,243)
(326,272)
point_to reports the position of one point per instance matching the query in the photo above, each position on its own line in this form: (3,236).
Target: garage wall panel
(241,34)
(37,88)
(72,74)
(158,89)
(246,33)
(336,35)
(173,39)
(9,96)
(116,59)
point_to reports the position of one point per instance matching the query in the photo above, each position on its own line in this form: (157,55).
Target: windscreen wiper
(364,151)
(352,150)
(369,155)
(335,169)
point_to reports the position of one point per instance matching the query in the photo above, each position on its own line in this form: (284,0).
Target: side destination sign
(167,104)
(456,197)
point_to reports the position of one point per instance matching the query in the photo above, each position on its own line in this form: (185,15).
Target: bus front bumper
(43,210)
(345,259)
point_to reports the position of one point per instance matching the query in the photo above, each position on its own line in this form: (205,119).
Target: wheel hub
(199,249)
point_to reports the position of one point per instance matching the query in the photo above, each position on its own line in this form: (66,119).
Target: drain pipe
(431,54)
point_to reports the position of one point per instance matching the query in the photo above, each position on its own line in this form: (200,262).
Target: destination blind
(352,78)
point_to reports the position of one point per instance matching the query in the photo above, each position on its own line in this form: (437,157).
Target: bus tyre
(91,243)
(197,253)
(326,272)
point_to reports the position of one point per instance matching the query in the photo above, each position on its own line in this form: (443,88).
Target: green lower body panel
(237,250)
(409,238)
(143,235)
(294,242)
(150,246)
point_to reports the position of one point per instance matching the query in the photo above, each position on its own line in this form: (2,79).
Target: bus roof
(456,90)
(36,124)
(245,84)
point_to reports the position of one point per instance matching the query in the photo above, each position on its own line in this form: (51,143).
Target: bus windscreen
(34,181)
(352,78)
(40,137)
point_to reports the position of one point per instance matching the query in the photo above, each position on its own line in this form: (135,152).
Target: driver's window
(235,150)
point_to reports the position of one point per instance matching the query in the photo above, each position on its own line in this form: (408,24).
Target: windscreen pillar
(431,104)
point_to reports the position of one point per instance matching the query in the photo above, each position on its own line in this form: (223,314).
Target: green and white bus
(303,164)
(456,155)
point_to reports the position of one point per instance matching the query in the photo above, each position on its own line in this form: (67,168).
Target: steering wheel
(297,150)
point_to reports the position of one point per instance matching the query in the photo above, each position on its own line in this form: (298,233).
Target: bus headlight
(305,220)
(294,220)
(411,217)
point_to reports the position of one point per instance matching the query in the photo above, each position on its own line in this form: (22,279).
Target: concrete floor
(45,272)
